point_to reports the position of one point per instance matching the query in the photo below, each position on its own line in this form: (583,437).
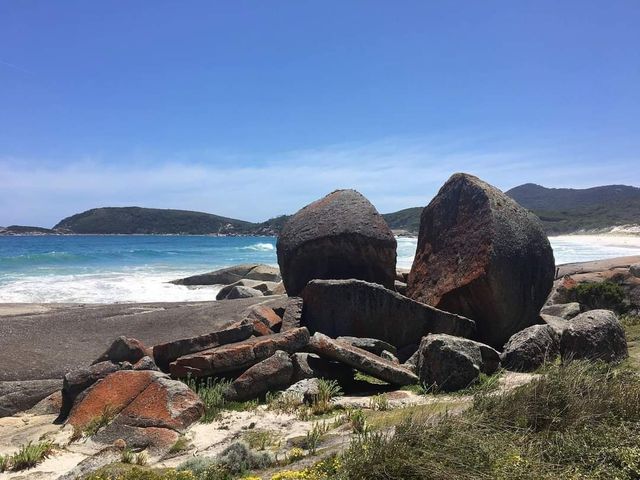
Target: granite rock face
(339,236)
(562,310)
(360,309)
(228,275)
(453,363)
(361,360)
(594,335)
(18,396)
(482,255)
(273,373)
(531,348)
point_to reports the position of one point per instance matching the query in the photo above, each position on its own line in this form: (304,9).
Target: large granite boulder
(531,348)
(145,408)
(483,256)
(239,356)
(451,363)
(594,335)
(361,360)
(18,396)
(339,236)
(360,309)
(271,374)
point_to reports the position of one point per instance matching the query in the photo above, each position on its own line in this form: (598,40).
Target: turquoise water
(136,268)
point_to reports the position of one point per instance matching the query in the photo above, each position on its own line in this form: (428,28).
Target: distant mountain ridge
(568,210)
(562,210)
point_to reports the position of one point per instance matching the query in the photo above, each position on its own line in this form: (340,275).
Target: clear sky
(253,109)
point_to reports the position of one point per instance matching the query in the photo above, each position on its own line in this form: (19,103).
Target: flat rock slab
(360,309)
(361,360)
(67,337)
(18,396)
(239,356)
(226,276)
(165,353)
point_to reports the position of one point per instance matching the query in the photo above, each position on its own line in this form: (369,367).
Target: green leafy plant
(314,436)
(358,420)
(4,463)
(379,403)
(327,390)
(607,295)
(211,392)
(180,445)
(141,459)
(29,455)
(127,456)
(260,439)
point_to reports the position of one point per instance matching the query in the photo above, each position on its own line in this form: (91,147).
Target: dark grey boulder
(453,363)
(594,335)
(635,270)
(307,390)
(562,310)
(360,309)
(243,292)
(232,274)
(18,396)
(483,256)
(372,345)
(531,348)
(224,291)
(273,373)
(387,355)
(361,360)
(124,349)
(339,236)
(309,365)
(292,316)
(146,363)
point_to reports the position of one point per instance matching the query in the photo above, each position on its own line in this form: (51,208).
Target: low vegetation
(607,295)
(28,456)
(211,392)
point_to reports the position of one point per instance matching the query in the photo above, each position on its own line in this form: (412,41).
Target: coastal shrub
(607,295)
(258,439)
(126,472)
(211,392)
(181,445)
(579,420)
(314,436)
(239,458)
(30,455)
(283,402)
(379,403)
(327,390)
(4,463)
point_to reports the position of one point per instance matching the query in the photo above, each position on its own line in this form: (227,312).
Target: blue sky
(253,109)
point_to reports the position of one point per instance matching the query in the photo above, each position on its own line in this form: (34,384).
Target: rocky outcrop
(239,356)
(18,396)
(224,291)
(361,309)
(165,353)
(242,292)
(451,363)
(531,348)
(274,373)
(594,335)
(124,349)
(483,256)
(562,310)
(339,236)
(265,315)
(230,275)
(361,360)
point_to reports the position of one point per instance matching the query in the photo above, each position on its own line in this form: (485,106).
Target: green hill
(137,220)
(567,210)
(407,219)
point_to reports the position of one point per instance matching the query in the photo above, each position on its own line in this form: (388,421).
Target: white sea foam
(260,247)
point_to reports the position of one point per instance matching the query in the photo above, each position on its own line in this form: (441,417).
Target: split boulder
(482,255)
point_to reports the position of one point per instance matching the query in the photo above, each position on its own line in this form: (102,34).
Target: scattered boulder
(243,292)
(339,236)
(361,360)
(224,291)
(124,349)
(307,389)
(264,315)
(260,329)
(483,256)
(146,363)
(165,353)
(635,270)
(594,335)
(239,356)
(232,274)
(309,365)
(372,345)
(292,317)
(273,373)
(453,363)
(17,396)
(361,309)
(562,310)
(77,381)
(531,348)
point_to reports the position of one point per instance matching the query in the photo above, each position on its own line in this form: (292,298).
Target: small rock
(557,323)
(635,270)
(453,363)
(273,373)
(307,389)
(124,349)
(531,348)
(146,363)
(224,291)
(387,355)
(594,335)
(562,310)
(243,292)
(264,314)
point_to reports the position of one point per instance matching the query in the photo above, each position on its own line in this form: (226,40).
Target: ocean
(136,268)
